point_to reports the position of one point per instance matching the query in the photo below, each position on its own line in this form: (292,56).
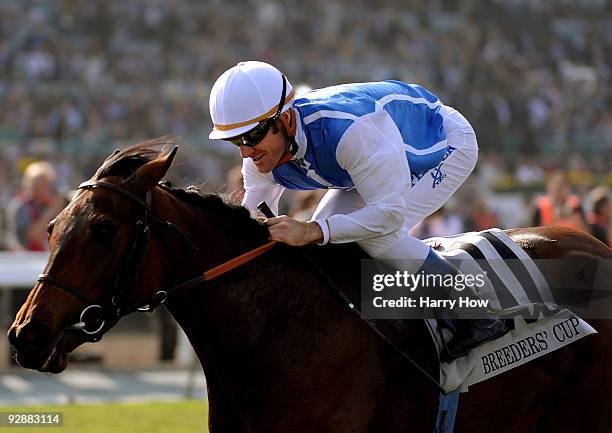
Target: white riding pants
(426,195)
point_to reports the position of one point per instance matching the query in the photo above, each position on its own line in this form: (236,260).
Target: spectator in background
(30,211)
(559,207)
(529,172)
(599,217)
(480,218)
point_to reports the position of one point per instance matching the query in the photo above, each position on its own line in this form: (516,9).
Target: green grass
(188,416)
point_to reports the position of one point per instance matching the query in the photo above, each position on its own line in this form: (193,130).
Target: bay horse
(279,352)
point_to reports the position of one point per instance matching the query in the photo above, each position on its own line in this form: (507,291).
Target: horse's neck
(234,307)
(244,327)
(268,339)
(270,329)
(237,309)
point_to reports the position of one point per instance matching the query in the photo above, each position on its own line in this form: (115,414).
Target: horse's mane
(125,162)
(237,218)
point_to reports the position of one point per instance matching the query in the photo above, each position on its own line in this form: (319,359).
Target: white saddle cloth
(510,292)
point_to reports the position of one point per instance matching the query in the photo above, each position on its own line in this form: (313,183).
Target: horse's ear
(147,176)
(115,152)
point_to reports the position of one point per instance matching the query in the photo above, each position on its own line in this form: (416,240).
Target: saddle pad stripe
(517,268)
(506,300)
(536,274)
(468,265)
(508,280)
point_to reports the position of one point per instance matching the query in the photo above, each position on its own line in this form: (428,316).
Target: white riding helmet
(245,95)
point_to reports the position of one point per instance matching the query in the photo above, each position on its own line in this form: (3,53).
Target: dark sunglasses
(255,135)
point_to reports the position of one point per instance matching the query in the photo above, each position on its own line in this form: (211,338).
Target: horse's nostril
(29,336)
(32,336)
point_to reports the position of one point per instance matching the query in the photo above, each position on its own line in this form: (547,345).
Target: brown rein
(237,261)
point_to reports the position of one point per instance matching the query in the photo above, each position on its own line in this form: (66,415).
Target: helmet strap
(292,147)
(285,158)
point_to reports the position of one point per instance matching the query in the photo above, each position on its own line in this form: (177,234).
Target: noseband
(113,307)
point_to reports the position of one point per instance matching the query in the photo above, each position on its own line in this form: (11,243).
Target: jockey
(389,154)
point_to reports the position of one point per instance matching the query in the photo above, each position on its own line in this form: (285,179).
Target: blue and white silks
(326,115)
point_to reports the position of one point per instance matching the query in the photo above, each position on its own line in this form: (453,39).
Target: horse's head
(97,244)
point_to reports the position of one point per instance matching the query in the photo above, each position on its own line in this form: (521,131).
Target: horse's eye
(104,232)
(50,227)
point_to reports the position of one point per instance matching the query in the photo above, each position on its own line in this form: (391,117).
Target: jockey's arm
(262,187)
(373,154)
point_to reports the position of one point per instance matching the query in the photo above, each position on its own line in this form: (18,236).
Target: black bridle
(112,306)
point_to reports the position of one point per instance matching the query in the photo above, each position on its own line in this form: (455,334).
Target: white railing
(20,269)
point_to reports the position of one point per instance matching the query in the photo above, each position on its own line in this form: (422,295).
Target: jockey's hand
(292,232)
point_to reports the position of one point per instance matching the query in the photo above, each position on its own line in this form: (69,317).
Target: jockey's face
(268,152)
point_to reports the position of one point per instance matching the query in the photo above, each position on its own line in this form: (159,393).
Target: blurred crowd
(80,78)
